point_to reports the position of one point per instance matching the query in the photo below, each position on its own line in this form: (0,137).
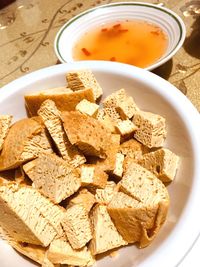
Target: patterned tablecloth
(28,28)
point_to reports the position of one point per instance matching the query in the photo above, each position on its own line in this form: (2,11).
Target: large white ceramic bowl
(153,94)
(166,19)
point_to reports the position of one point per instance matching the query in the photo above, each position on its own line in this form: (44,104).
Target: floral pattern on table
(28,29)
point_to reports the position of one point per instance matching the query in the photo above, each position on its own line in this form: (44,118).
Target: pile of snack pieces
(87,179)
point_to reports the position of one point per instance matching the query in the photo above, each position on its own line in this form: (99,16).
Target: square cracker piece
(91,137)
(5,121)
(118,170)
(93,177)
(151,130)
(61,252)
(109,163)
(126,127)
(124,105)
(133,151)
(83,197)
(163,163)
(105,234)
(79,80)
(76,225)
(28,216)
(65,99)
(88,108)
(53,177)
(51,117)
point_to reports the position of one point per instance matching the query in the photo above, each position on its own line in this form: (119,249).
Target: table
(28,28)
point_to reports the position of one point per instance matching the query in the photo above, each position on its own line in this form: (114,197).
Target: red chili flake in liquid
(113,59)
(104,30)
(85,51)
(117,26)
(123,30)
(155,32)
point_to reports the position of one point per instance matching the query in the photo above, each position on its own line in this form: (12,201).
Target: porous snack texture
(83,178)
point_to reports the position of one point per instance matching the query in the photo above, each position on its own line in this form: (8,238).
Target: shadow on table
(165,70)
(192,42)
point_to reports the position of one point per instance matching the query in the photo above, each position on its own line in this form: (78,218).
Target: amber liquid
(133,42)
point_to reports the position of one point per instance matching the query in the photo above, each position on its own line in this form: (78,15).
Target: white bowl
(166,19)
(153,94)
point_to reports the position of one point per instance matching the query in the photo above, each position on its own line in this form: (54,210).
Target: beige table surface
(28,28)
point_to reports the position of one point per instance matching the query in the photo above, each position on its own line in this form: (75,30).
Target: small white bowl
(166,19)
(154,94)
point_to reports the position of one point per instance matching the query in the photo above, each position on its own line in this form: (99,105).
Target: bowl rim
(190,117)
(176,17)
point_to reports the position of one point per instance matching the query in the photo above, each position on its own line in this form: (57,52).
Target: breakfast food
(83,179)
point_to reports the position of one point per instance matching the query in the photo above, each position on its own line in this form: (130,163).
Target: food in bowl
(133,42)
(142,15)
(151,93)
(86,178)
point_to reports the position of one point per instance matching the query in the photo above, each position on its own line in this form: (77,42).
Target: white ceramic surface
(166,19)
(154,94)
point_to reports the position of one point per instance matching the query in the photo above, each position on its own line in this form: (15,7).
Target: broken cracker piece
(151,130)
(105,234)
(118,170)
(65,99)
(126,127)
(25,139)
(87,133)
(108,164)
(163,163)
(106,120)
(88,108)
(76,225)
(123,104)
(136,221)
(92,176)
(83,197)
(53,177)
(79,80)
(5,122)
(104,196)
(132,146)
(51,117)
(61,252)
(27,216)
